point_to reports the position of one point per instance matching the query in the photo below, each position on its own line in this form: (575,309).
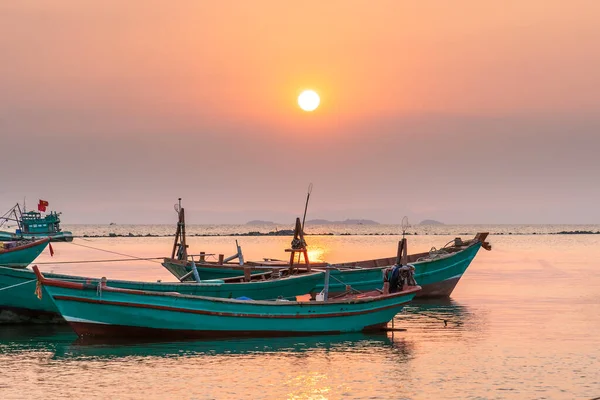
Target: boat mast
(310,186)
(306,205)
(16,217)
(20,216)
(179,246)
(402,255)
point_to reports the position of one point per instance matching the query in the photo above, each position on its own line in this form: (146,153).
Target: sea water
(523,323)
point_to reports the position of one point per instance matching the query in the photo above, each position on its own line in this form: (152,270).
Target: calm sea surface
(523,323)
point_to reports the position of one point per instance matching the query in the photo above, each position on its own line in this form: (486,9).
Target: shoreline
(290,234)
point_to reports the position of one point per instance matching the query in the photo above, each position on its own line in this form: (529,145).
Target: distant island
(430,222)
(319,222)
(260,222)
(346,222)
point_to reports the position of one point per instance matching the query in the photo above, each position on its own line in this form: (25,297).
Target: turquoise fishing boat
(437,271)
(31,224)
(18,302)
(112,312)
(21,253)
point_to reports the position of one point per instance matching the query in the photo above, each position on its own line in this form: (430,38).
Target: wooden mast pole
(310,186)
(402,254)
(179,245)
(306,205)
(183,238)
(178,231)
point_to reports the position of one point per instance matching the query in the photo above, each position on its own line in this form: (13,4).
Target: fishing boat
(21,253)
(18,302)
(437,271)
(109,311)
(31,224)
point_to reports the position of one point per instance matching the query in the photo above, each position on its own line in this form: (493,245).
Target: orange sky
(251,58)
(215,74)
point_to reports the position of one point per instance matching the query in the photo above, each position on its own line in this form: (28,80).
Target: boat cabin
(32,222)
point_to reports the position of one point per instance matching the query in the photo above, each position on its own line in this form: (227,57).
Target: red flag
(43,203)
(41,208)
(51,249)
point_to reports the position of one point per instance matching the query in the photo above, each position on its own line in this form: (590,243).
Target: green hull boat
(18,302)
(121,313)
(436,271)
(34,225)
(21,253)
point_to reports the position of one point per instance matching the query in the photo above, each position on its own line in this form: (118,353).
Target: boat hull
(22,256)
(18,302)
(85,329)
(437,277)
(440,289)
(128,313)
(54,237)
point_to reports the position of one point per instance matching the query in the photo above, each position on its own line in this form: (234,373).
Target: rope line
(345,284)
(119,254)
(99,261)
(18,284)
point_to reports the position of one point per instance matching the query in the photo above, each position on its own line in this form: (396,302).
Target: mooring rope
(345,284)
(117,253)
(18,284)
(131,258)
(153,259)
(99,261)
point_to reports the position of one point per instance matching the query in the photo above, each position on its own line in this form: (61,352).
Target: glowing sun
(309,100)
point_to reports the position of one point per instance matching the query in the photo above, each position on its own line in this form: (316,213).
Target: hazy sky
(464,111)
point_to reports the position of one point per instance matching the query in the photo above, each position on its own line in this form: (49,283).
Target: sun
(309,100)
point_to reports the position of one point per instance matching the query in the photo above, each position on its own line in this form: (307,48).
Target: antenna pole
(306,205)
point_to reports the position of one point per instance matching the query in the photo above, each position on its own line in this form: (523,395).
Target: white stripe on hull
(452,277)
(87,321)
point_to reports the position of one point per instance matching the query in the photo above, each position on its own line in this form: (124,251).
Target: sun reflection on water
(316,254)
(312,385)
